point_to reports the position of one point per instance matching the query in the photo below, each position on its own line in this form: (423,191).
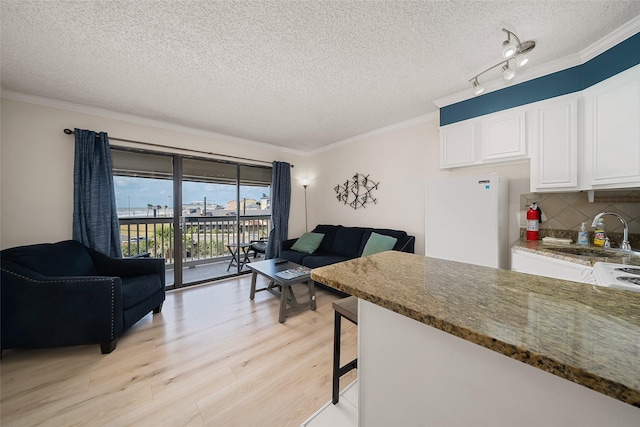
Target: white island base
(411,374)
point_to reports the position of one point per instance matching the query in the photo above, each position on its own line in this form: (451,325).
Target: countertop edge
(576,375)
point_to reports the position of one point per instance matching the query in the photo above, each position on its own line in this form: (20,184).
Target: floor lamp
(304,184)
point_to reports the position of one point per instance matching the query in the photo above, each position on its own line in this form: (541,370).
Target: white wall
(401,160)
(37,165)
(37,171)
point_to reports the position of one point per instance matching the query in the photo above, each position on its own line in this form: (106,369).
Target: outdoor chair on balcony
(58,294)
(259,246)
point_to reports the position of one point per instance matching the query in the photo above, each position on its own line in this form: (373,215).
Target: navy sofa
(57,294)
(341,244)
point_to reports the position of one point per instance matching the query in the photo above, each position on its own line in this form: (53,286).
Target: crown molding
(391,128)
(100,112)
(619,35)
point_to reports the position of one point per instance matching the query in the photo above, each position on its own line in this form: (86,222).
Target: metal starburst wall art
(357,191)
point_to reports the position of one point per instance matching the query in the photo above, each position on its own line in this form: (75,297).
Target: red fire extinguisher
(533,222)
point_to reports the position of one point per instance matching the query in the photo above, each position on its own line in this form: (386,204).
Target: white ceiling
(297,74)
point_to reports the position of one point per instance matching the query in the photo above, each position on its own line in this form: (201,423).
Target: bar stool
(347,308)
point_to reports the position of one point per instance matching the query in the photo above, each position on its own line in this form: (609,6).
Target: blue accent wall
(609,63)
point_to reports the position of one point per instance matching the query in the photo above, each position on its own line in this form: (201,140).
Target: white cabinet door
(458,144)
(612,116)
(497,137)
(554,146)
(503,135)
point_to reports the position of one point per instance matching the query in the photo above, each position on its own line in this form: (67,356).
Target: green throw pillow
(378,243)
(308,242)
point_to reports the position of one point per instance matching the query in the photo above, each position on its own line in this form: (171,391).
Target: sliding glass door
(207,218)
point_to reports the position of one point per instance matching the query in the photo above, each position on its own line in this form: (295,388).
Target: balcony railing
(204,238)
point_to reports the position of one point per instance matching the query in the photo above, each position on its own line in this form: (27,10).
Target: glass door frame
(178,222)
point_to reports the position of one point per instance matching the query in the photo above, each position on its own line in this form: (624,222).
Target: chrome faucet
(625,245)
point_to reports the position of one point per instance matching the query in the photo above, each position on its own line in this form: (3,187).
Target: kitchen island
(447,343)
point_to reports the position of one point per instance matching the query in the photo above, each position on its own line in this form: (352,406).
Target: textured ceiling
(298,74)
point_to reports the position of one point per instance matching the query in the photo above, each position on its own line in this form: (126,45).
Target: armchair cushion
(137,289)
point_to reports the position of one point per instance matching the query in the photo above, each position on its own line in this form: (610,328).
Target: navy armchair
(58,294)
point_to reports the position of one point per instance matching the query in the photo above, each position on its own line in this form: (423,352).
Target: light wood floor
(212,357)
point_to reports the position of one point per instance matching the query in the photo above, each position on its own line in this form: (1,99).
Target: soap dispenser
(583,236)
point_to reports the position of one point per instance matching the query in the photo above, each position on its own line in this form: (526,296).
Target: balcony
(204,240)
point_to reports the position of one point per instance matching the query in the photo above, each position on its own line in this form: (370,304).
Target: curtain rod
(70,132)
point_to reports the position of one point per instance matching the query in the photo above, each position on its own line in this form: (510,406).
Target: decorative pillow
(308,243)
(378,243)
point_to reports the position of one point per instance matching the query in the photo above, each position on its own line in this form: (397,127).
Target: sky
(138,192)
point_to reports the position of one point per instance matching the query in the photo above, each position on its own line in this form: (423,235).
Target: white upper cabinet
(496,137)
(458,144)
(612,132)
(503,135)
(554,145)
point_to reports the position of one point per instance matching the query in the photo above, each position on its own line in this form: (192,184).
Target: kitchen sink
(586,252)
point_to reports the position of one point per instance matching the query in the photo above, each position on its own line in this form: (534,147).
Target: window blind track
(189,150)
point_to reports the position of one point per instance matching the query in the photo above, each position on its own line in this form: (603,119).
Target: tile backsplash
(566,211)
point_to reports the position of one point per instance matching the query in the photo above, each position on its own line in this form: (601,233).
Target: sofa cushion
(329,232)
(320,260)
(308,242)
(293,256)
(378,243)
(139,288)
(348,241)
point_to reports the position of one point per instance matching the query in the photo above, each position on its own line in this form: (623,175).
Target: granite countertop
(586,334)
(598,254)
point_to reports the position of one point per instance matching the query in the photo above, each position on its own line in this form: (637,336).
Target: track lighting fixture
(510,51)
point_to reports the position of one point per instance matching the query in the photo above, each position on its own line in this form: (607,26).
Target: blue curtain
(280,203)
(95,218)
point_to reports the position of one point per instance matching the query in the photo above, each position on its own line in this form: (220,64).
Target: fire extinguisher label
(532,225)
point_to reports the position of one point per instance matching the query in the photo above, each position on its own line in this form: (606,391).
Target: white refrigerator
(467,219)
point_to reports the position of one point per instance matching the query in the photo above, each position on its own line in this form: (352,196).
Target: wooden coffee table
(281,287)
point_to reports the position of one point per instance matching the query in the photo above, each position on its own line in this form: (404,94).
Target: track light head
(508,73)
(477,87)
(522,59)
(508,49)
